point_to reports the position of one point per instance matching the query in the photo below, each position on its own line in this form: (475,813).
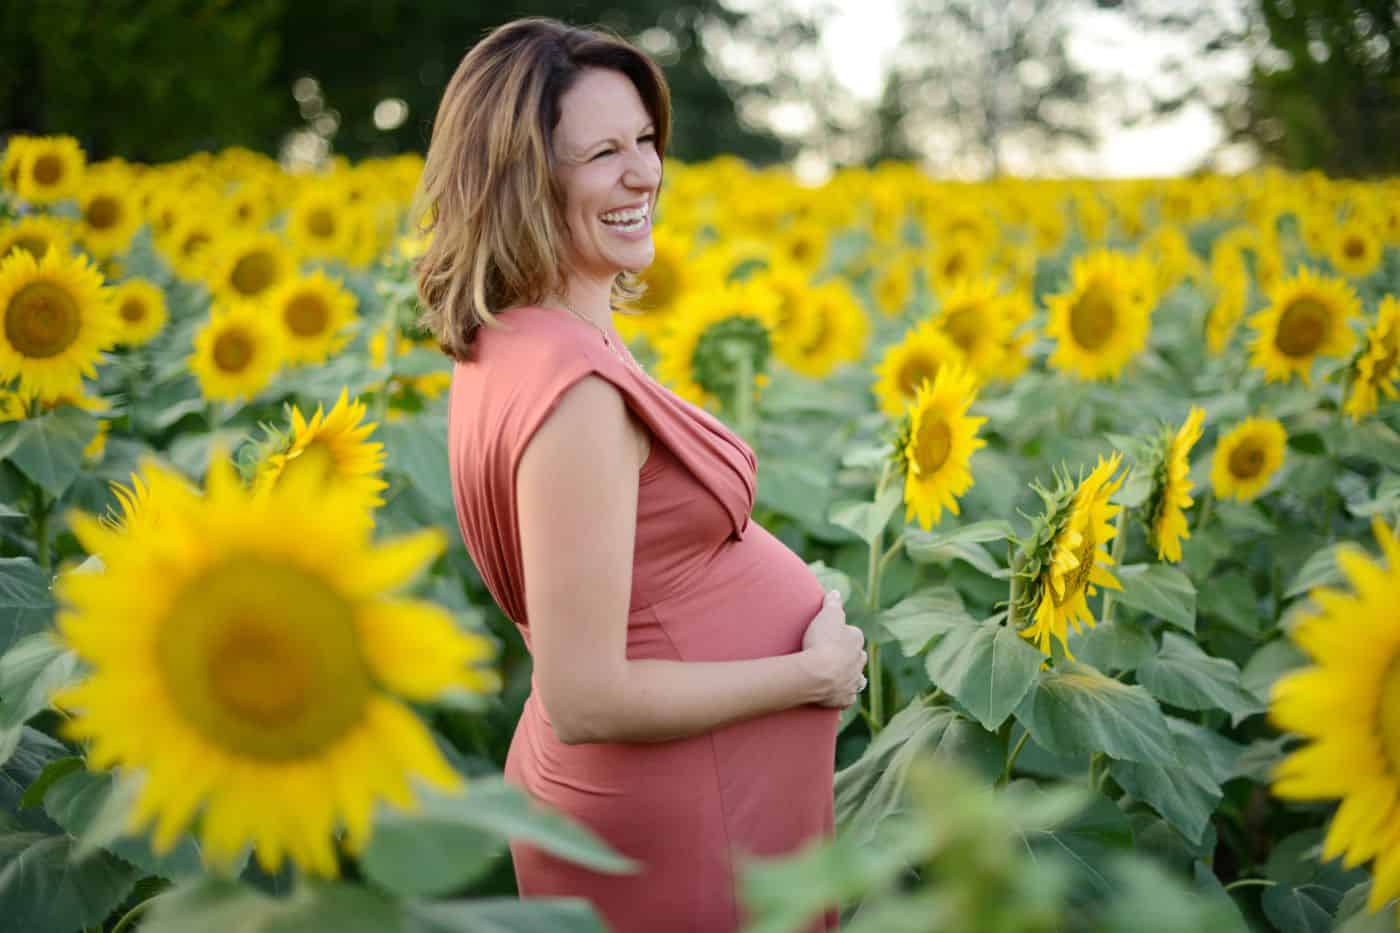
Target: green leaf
(1230,598)
(457,835)
(964,543)
(418,449)
(987,667)
(213,905)
(1318,570)
(42,891)
(1074,710)
(923,616)
(505,915)
(53,771)
(1183,675)
(1160,590)
(831,579)
(81,802)
(1308,892)
(1352,916)
(1268,664)
(1244,517)
(1185,796)
(1385,502)
(1116,645)
(867,520)
(870,790)
(26,604)
(49,449)
(1085,841)
(29,673)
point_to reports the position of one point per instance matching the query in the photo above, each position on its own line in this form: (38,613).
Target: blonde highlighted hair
(489,195)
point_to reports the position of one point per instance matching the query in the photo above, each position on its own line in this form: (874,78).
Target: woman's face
(609,169)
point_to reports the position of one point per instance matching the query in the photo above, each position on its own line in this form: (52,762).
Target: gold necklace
(625,355)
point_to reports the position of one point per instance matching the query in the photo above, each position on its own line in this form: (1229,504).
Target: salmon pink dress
(708,584)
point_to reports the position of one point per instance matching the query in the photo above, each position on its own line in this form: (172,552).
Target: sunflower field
(1107,471)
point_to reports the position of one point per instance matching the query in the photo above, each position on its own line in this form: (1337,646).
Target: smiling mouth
(630,218)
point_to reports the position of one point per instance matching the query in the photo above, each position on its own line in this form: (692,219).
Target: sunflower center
(48,169)
(1389,717)
(820,333)
(1302,327)
(42,320)
(133,311)
(1354,247)
(254,273)
(102,212)
(933,445)
(193,243)
(321,224)
(962,326)
(913,373)
(35,246)
(1246,461)
(233,351)
(306,315)
(262,658)
(1093,317)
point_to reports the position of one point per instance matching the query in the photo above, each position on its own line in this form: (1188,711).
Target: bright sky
(857,40)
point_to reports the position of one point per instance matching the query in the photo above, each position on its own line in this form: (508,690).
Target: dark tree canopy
(156,79)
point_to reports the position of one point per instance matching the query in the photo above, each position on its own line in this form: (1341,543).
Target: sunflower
(1355,248)
(12,406)
(247,266)
(795,320)
(802,243)
(36,234)
(237,353)
(1347,704)
(335,448)
(713,330)
(937,440)
(320,222)
(189,245)
(110,216)
(838,333)
(905,365)
(1247,457)
(1070,558)
(1102,321)
(50,169)
(1171,493)
(314,311)
(12,162)
(1308,316)
(249,206)
(893,285)
(1231,286)
(141,311)
(1377,366)
(57,321)
(971,314)
(257,635)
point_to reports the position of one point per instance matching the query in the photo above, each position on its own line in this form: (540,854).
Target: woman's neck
(592,300)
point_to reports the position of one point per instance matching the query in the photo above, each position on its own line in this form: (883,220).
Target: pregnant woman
(688,668)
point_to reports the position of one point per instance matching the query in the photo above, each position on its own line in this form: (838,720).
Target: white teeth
(627,217)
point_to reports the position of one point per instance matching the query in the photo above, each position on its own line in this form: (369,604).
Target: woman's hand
(834,654)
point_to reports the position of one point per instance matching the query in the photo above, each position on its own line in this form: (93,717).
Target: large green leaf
(870,789)
(1161,591)
(23,760)
(49,449)
(923,616)
(1074,710)
(77,802)
(1231,599)
(29,672)
(504,915)
(866,520)
(43,891)
(1307,893)
(418,449)
(1183,675)
(1268,664)
(26,604)
(1185,796)
(1085,841)
(1318,570)
(1117,645)
(964,543)
(450,839)
(987,667)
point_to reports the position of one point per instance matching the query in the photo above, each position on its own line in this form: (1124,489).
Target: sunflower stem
(1120,546)
(391,348)
(1011,758)
(874,571)
(1096,770)
(1207,506)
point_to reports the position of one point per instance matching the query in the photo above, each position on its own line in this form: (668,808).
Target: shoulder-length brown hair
(489,194)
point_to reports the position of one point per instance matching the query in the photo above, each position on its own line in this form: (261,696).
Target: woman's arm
(576,501)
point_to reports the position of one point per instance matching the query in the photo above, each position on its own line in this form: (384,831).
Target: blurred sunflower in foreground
(258,636)
(1347,704)
(1064,558)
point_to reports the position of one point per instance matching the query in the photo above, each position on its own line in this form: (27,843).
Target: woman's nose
(643,169)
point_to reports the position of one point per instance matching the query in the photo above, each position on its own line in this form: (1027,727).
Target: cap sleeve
(501,397)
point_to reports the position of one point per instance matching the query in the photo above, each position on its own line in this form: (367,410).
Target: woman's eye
(647,138)
(600,155)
